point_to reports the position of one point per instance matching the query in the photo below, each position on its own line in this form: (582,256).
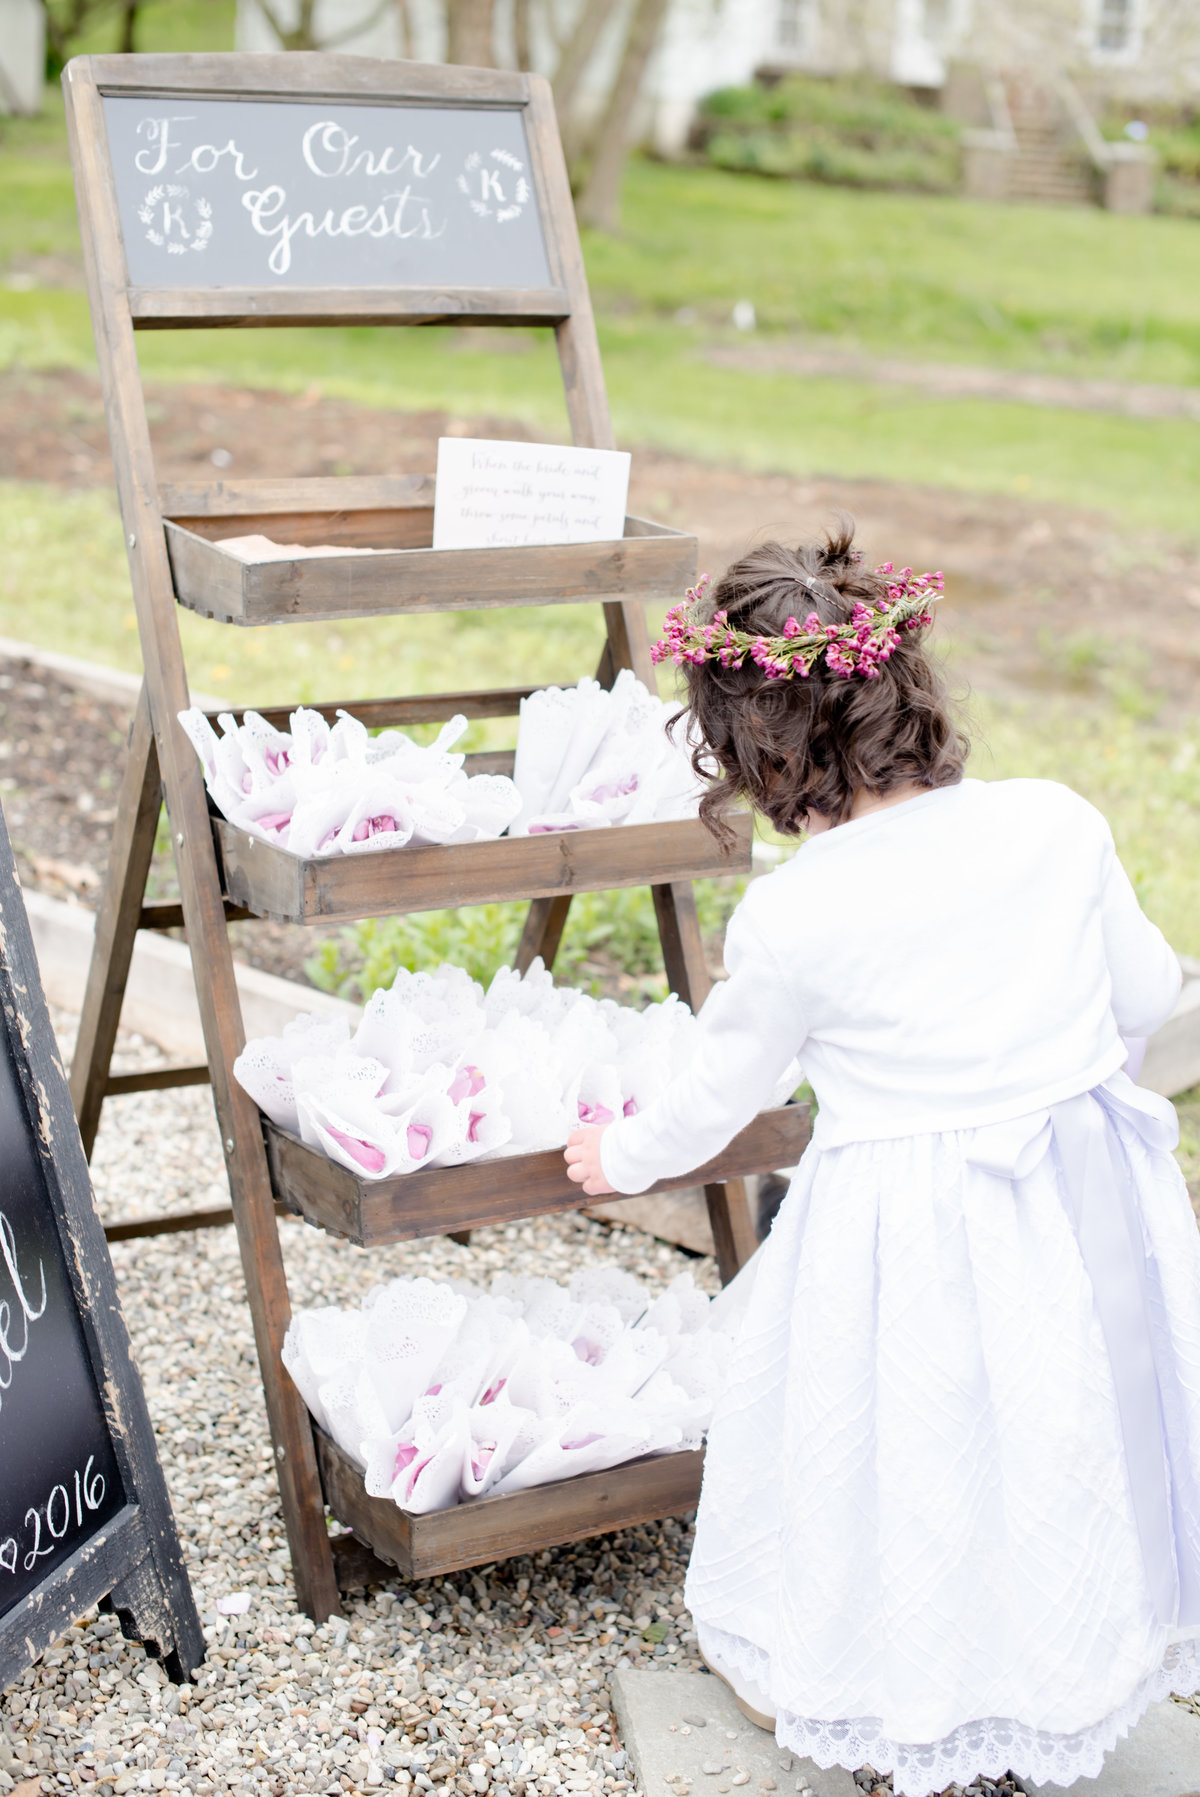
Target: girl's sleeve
(1144,969)
(750,1028)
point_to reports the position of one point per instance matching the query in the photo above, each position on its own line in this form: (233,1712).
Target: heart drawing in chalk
(8,1555)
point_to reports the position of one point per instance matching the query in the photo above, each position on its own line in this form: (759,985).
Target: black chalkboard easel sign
(84,1513)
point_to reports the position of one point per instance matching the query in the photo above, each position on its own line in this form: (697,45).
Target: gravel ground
(493,1680)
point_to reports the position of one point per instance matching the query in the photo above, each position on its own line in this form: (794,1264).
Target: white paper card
(497,495)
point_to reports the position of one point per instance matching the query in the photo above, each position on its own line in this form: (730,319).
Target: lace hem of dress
(984,1749)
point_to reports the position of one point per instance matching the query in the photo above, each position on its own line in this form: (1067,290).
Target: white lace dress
(951,1514)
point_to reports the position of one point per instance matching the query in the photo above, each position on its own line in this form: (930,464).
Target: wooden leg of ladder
(544,925)
(258,1241)
(730,1212)
(117,923)
(238,1118)
(734,1228)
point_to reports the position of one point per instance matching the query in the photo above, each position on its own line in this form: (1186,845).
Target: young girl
(951,1513)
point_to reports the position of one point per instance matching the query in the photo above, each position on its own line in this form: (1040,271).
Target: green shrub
(607,934)
(848,133)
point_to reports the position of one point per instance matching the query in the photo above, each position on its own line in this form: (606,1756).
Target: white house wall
(22,56)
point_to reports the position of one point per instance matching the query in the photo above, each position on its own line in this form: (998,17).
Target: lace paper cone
(345,1124)
(318,790)
(351,1404)
(429,1456)
(592,719)
(481,1124)
(265,1066)
(408,1326)
(445,1394)
(589,1439)
(513,1067)
(495,1430)
(611,1286)
(318,1344)
(491,802)
(680,1310)
(546,722)
(595,1095)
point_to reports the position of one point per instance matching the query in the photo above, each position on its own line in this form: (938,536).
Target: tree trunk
(129,13)
(469,33)
(600,202)
(292,37)
(521,39)
(577,53)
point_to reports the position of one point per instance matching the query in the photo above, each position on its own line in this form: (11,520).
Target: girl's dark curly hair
(795,746)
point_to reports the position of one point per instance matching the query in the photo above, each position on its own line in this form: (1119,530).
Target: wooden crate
(447,1200)
(495,1528)
(272,882)
(394,516)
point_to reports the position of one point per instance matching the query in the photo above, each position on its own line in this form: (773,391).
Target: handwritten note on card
(499,495)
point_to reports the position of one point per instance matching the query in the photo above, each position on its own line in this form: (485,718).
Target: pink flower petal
(365,1153)
(465,1084)
(594,1113)
(406,1453)
(419,1137)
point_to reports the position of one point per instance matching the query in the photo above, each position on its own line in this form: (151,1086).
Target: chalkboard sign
(278,193)
(84,1513)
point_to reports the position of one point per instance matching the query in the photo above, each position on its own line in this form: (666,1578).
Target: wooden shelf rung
(170,917)
(419,708)
(156,1079)
(174,1223)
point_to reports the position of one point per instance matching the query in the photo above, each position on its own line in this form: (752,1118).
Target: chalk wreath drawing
(162,213)
(482,185)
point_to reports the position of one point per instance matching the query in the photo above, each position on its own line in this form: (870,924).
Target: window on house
(935,20)
(794,22)
(1115,26)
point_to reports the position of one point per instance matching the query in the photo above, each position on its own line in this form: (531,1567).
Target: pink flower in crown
(791,628)
(812,624)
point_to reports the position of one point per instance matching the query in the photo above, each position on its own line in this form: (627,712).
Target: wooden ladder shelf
(148,143)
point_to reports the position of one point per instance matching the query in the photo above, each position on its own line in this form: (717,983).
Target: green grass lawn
(1070,288)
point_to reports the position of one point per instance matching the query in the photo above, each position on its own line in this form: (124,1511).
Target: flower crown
(854,648)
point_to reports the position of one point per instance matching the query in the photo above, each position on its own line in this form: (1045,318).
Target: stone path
(682,1730)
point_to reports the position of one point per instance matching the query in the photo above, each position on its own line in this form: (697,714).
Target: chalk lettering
(326,147)
(391,218)
(205,158)
(157,131)
(12,1350)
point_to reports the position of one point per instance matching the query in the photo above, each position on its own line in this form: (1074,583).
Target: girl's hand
(583,1160)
